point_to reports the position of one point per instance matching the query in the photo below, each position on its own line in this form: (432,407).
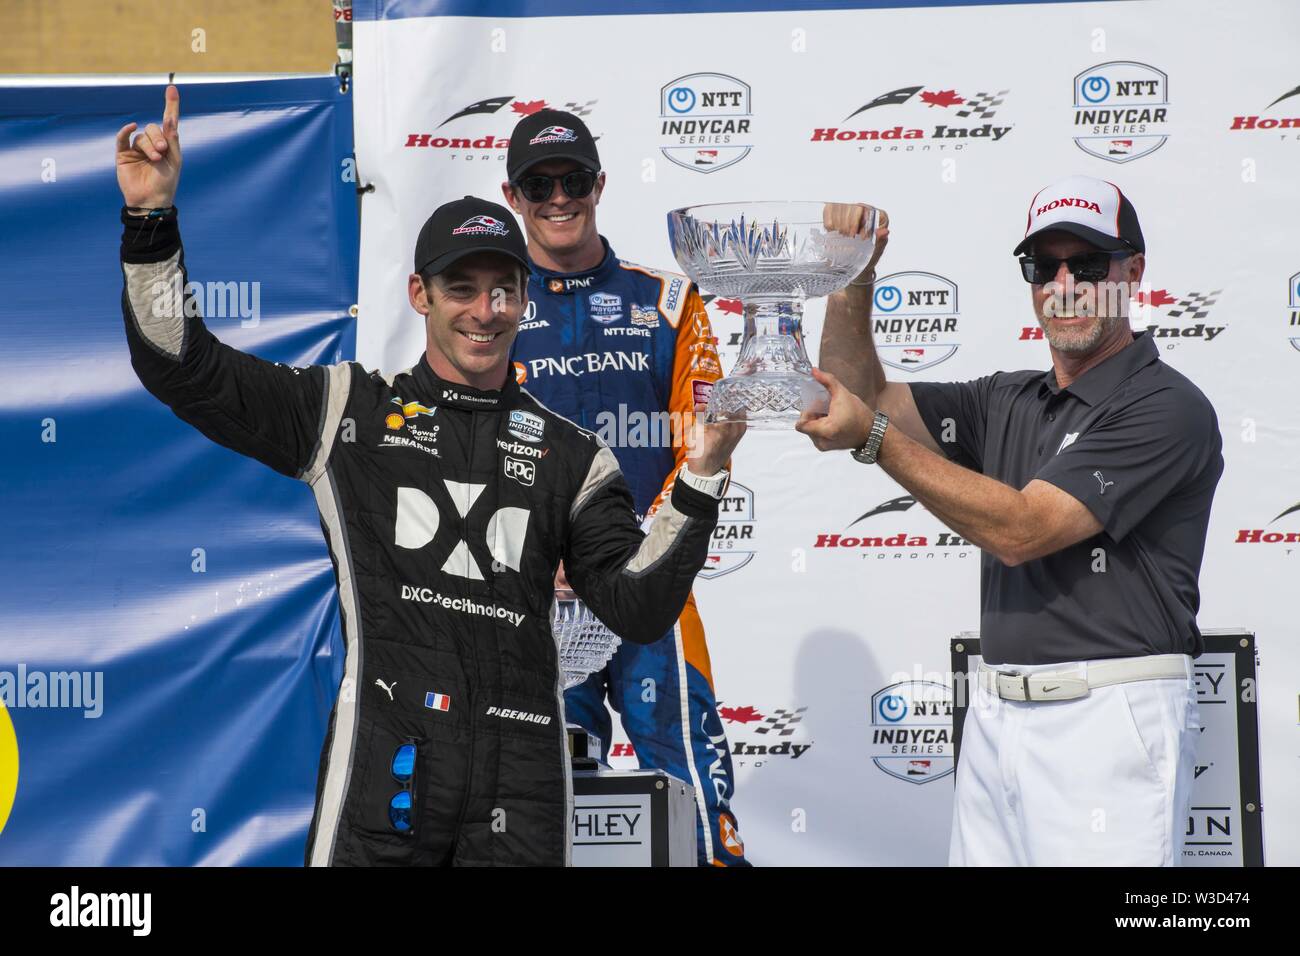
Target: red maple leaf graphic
(1156,297)
(739,715)
(529,108)
(730,306)
(942,98)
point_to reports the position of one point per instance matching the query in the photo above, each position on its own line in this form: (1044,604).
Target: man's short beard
(1081,341)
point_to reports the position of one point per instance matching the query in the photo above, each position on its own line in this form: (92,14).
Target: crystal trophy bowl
(771,256)
(586,645)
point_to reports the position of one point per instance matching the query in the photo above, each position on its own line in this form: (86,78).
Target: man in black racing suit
(448,497)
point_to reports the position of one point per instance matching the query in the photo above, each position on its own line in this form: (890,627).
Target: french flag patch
(437,701)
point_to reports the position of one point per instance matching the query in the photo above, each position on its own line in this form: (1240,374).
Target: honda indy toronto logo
(892,529)
(554,134)
(481,226)
(481,130)
(500,538)
(704,121)
(921,119)
(1284,529)
(915,320)
(1284,120)
(1171,318)
(759,735)
(732,545)
(911,731)
(1192,315)
(1121,110)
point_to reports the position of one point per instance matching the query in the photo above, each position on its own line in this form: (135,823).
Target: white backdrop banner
(831,585)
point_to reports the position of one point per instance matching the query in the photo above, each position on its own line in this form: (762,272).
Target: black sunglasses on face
(577,184)
(1085,267)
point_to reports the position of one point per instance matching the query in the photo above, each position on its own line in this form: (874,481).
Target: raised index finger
(172,111)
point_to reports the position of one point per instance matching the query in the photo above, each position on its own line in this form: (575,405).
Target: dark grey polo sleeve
(1138,455)
(956,415)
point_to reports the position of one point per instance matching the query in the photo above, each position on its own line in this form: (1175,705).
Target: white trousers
(1102,780)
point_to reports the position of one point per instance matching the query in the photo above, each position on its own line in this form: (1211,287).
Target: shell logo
(395,420)
(8,766)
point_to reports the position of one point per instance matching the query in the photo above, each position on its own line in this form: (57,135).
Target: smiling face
(1079,317)
(472,311)
(561,228)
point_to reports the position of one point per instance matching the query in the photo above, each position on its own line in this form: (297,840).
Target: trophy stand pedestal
(584,748)
(632,818)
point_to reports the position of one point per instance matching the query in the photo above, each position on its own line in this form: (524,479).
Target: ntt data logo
(704,121)
(915,320)
(911,730)
(1121,110)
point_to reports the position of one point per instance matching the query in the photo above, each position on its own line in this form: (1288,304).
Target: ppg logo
(521,471)
(1095,89)
(888,298)
(681,99)
(892,708)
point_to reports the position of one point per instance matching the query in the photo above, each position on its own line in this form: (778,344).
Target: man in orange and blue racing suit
(627,352)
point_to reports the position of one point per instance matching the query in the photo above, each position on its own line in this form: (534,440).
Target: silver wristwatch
(871,447)
(711,485)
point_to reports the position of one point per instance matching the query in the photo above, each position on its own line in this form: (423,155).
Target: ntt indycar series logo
(915,320)
(1293,311)
(1121,110)
(704,121)
(921,119)
(911,730)
(732,545)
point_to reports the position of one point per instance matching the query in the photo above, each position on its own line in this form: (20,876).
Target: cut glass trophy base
(774,400)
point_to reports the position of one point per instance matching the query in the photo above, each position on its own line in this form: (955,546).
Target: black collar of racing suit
(567,283)
(435,390)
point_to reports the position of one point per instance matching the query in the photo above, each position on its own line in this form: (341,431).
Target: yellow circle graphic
(8,766)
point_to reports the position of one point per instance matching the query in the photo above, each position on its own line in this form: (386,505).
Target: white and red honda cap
(1092,209)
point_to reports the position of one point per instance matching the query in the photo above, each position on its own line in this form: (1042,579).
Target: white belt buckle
(1073,687)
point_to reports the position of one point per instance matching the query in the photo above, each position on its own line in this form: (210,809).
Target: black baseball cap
(1092,209)
(465,226)
(550,134)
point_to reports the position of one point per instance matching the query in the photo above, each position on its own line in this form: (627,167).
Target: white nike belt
(1075,680)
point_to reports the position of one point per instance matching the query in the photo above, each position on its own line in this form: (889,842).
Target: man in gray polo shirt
(1088,489)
